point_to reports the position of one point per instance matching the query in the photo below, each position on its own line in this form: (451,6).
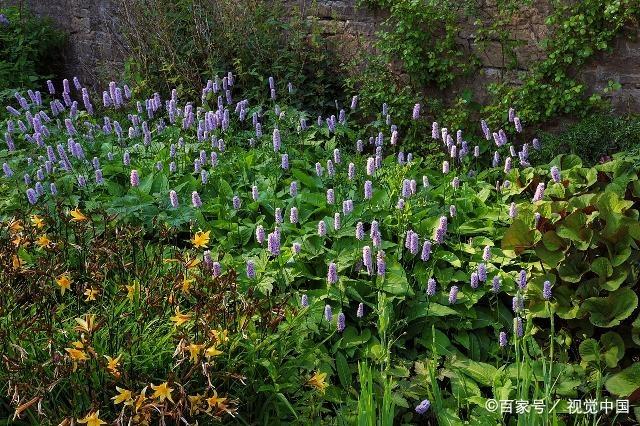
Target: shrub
(192,40)
(30,49)
(593,138)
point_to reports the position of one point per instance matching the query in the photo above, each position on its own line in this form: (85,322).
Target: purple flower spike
(276,140)
(546,290)
(555,174)
(216,269)
(368,190)
(522,279)
(482,272)
(173,199)
(304,301)
(416,112)
(518,326)
(381,265)
(32,196)
(341,322)
(273,243)
(330,196)
(486,253)
(195,199)
(502,339)
(260,234)
(431,287)
(328,313)
(332,273)
(360,311)
(423,407)
(496,283)
(453,295)
(474,280)
(134,178)
(322,228)
(426,251)
(539,193)
(251,270)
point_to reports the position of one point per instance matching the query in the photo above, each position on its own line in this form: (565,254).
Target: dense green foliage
(423,37)
(29,51)
(581,30)
(119,303)
(593,138)
(192,40)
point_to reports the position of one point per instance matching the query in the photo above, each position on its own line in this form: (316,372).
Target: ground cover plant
(165,261)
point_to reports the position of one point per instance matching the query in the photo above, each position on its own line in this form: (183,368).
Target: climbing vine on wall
(422,36)
(581,29)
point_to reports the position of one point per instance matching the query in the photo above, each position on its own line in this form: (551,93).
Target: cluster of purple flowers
(211,127)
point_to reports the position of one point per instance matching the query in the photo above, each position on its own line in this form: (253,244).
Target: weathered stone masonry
(95,51)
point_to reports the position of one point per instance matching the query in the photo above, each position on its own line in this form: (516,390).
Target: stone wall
(95,50)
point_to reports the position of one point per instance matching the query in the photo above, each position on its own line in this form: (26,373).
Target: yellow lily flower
(43,241)
(77,215)
(221,335)
(64,282)
(123,395)
(76,356)
(86,324)
(180,318)
(91,294)
(212,351)
(113,364)
(200,239)
(194,350)
(92,419)
(162,391)
(318,381)
(214,400)
(195,401)
(186,283)
(37,221)
(132,290)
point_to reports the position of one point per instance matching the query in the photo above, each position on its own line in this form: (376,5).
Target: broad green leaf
(613,348)
(449,257)
(344,373)
(518,237)
(589,350)
(481,372)
(611,310)
(602,267)
(625,382)
(425,309)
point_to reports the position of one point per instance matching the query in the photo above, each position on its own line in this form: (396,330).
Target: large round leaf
(611,310)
